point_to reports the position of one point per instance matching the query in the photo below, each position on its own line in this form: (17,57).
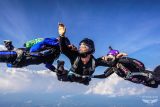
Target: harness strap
(126,71)
(75,65)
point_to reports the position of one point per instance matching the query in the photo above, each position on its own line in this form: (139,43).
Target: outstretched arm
(105,62)
(121,55)
(107,73)
(109,60)
(65,46)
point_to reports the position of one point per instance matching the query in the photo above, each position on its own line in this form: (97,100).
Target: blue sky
(132,26)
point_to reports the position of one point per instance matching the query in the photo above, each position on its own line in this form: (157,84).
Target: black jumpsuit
(81,69)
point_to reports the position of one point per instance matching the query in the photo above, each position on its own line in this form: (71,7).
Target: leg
(8,56)
(157,74)
(146,78)
(62,74)
(152,84)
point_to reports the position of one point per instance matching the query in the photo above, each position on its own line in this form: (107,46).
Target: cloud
(14,80)
(2,47)
(116,86)
(17,80)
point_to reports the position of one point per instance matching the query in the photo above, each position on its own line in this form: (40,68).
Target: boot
(60,66)
(8,45)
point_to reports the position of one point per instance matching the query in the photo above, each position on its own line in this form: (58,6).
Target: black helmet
(90,44)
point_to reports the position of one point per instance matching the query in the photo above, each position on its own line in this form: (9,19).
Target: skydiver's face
(111,58)
(83,48)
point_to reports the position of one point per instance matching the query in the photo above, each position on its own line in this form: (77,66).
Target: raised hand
(61,29)
(121,55)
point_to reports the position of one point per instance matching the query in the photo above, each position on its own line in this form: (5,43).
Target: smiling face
(111,58)
(83,48)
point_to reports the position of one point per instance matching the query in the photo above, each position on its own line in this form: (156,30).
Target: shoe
(60,63)
(8,44)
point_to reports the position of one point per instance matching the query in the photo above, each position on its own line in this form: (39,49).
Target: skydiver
(82,60)
(130,69)
(44,51)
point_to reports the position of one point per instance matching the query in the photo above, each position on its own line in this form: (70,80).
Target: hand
(74,48)
(109,58)
(106,58)
(61,29)
(121,55)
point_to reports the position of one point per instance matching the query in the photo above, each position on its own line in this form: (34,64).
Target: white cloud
(12,81)
(15,80)
(116,86)
(2,47)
